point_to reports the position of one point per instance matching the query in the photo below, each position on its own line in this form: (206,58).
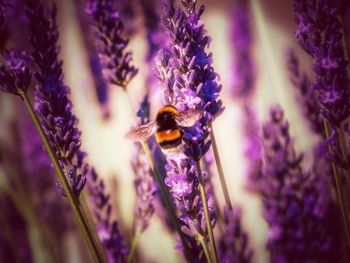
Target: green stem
(338,190)
(91,224)
(66,187)
(205,249)
(206,211)
(219,167)
(163,190)
(134,243)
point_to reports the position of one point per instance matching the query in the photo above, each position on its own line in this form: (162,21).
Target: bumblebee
(167,128)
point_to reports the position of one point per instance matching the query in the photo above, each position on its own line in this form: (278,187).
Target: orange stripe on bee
(170,109)
(167,135)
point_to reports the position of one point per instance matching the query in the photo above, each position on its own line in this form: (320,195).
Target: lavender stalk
(319,34)
(297,202)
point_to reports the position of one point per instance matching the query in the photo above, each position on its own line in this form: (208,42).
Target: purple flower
(52,103)
(110,43)
(234,243)
(189,81)
(242,42)
(187,73)
(182,180)
(320,35)
(244,86)
(297,203)
(15,76)
(186,68)
(107,228)
(156,38)
(307,96)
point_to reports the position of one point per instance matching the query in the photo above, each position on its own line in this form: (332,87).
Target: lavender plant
(306,96)
(190,82)
(58,133)
(242,44)
(234,243)
(52,103)
(15,76)
(297,202)
(110,43)
(320,34)
(243,87)
(3,5)
(107,228)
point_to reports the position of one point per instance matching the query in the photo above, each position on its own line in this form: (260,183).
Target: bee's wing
(188,118)
(141,133)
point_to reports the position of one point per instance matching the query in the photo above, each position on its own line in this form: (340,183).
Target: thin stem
(219,167)
(66,187)
(163,190)
(206,211)
(338,189)
(134,243)
(91,224)
(205,249)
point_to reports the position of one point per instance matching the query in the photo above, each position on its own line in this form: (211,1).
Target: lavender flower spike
(182,180)
(15,76)
(145,185)
(297,203)
(306,94)
(110,43)
(319,34)
(242,42)
(234,243)
(52,103)
(107,229)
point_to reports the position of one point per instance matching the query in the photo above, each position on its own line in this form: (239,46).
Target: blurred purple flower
(234,243)
(145,185)
(242,42)
(3,5)
(297,203)
(156,39)
(252,146)
(107,228)
(110,43)
(52,103)
(320,34)
(244,75)
(15,76)
(306,96)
